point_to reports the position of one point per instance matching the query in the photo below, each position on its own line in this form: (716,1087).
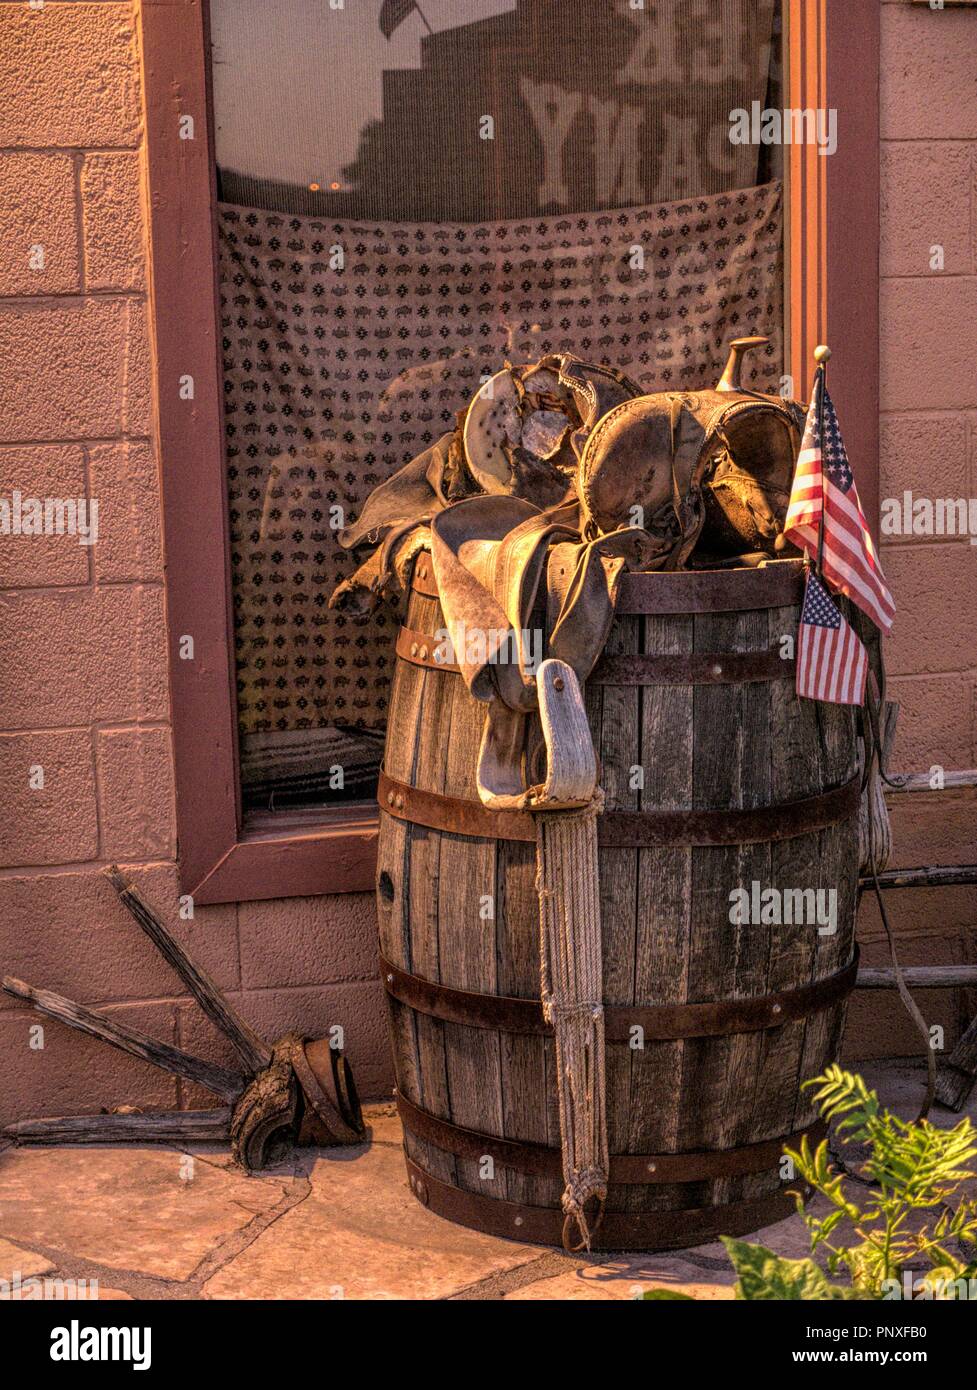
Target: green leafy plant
(883,1241)
(884,1235)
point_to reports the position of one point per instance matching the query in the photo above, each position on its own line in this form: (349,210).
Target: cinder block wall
(82,630)
(83,685)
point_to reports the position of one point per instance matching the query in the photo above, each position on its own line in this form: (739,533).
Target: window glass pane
(410,194)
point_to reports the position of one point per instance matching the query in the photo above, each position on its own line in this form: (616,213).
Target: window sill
(296,854)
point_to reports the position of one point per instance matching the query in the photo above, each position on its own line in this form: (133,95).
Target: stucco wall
(82,637)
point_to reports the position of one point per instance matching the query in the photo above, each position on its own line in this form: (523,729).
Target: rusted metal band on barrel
(658,1022)
(631,1170)
(776,585)
(720,668)
(627,829)
(619,1230)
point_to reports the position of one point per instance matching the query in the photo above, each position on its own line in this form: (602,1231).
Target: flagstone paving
(153,1210)
(361,1234)
(329,1224)
(14,1261)
(628,1277)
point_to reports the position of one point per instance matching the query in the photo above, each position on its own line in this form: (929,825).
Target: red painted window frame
(832,272)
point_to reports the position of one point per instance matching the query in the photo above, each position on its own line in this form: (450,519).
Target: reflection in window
(410,194)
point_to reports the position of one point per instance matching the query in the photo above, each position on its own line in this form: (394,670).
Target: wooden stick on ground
(289,1094)
(157,1127)
(920,782)
(226,1084)
(939,877)
(918,977)
(252,1050)
(959,1072)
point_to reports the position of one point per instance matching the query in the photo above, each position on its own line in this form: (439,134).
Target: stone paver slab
(788,1238)
(128,1208)
(628,1278)
(14,1261)
(360,1234)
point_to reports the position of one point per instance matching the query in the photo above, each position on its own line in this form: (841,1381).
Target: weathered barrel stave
(465,914)
(666,928)
(721,751)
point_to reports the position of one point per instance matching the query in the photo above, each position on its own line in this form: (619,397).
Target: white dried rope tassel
(572,992)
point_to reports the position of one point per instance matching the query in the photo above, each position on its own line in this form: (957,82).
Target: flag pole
(822,356)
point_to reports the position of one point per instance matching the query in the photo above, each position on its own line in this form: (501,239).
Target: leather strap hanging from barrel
(571,957)
(490,557)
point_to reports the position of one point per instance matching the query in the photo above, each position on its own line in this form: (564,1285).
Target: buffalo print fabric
(349,347)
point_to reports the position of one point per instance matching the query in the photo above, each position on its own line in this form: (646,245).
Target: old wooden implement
(295,1091)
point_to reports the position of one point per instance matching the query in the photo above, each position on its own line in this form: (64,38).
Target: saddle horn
(738,348)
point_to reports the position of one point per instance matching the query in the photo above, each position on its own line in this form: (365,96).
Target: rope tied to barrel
(567,882)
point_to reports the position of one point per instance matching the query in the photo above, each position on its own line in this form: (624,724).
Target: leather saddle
(711,468)
(558,477)
(706,475)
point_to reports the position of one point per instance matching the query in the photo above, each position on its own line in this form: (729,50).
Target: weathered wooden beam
(159,1127)
(918,977)
(958,1073)
(222,1082)
(920,782)
(252,1050)
(936,877)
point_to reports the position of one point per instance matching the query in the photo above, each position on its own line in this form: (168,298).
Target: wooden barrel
(717,778)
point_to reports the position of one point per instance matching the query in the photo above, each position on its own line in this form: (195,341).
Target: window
(376,205)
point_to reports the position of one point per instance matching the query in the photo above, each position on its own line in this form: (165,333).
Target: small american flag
(832,664)
(847,559)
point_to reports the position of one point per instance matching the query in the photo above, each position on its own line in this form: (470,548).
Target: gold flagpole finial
(822,355)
